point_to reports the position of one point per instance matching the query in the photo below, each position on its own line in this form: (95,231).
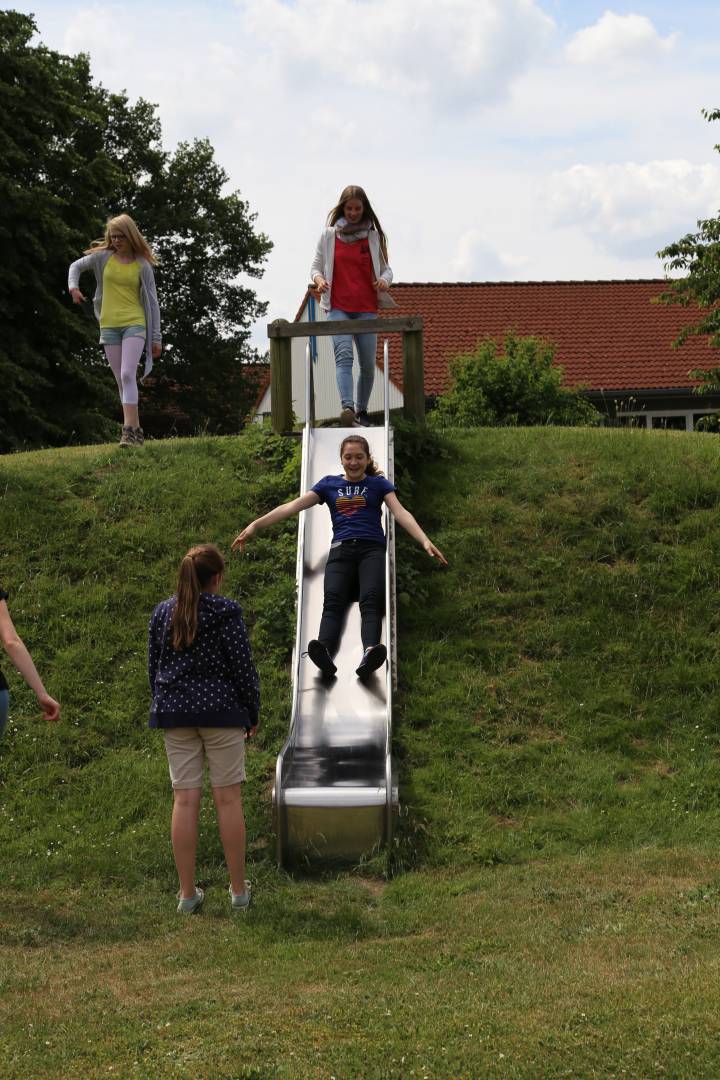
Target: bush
(519,386)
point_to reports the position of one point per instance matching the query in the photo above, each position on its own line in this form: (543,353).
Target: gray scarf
(350,233)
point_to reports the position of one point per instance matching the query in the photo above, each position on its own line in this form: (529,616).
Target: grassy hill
(550,905)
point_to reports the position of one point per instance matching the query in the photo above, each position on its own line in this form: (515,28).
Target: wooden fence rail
(281,332)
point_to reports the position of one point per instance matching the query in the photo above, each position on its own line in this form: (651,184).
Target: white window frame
(689,414)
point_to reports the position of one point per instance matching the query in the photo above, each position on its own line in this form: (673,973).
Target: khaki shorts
(187,748)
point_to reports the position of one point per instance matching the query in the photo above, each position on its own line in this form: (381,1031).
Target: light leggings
(366,345)
(124,360)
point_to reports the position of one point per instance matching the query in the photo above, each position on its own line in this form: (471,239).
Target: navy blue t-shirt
(3,684)
(355,509)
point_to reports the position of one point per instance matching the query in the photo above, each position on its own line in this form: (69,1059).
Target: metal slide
(335,793)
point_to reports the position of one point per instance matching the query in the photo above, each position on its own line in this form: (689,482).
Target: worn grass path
(550,906)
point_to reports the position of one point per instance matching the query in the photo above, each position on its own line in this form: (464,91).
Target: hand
(381,285)
(156,349)
(50,708)
(249,732)
(321,284)
(242,538)
(77,296)
(435,553)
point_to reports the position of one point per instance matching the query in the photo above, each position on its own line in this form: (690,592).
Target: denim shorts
(113,335)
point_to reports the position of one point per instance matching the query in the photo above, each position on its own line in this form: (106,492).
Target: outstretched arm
(408,522)
(279,513)
(21,658)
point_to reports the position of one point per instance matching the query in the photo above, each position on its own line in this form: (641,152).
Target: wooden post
(413,376)
(281,413)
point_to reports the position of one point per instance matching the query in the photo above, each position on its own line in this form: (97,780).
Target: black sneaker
(373,658)
(320,656)
(347,417)
(363,419)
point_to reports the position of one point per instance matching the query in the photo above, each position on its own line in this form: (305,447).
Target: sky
(497,140)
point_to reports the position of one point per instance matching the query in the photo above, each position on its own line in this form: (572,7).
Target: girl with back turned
(205,699)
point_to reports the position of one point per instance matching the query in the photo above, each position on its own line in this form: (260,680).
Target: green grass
(551,901)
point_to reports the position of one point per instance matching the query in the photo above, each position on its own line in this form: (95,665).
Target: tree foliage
(516,385)
(72,155)
(698,256)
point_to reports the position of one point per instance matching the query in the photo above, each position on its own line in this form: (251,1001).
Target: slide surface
(334,792)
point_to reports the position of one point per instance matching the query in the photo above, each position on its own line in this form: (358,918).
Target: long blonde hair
(197,569)
(124,224)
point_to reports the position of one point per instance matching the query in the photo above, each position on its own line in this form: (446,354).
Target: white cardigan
(325,257)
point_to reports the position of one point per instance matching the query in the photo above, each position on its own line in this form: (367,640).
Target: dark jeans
(4,706)
(355,570)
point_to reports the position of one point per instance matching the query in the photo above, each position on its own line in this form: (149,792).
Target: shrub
(518,386)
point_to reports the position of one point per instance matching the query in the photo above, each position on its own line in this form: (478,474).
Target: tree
(205,241)
(74,154)
(518,386)
(54,173)
(698,255)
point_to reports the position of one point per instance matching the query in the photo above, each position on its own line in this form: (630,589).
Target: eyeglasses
(116,236)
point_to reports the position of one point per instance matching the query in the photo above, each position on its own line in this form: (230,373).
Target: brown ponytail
(197,569)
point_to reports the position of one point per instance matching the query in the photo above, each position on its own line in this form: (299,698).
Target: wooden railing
(281,332)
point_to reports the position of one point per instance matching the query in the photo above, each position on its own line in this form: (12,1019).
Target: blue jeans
(366,345)
(4,709)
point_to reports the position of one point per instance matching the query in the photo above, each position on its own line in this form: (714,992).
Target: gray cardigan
(148,296)
(325,257)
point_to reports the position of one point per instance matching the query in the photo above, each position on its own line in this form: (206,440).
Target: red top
(352,283)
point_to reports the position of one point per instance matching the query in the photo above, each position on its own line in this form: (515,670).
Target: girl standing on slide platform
(351,273)
(206,698)
(21,658)
(126,306)
(356,562)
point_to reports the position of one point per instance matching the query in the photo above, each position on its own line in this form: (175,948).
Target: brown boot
(138,436)
(128,436)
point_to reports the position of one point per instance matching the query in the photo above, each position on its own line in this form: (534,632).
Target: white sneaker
(241,901)
(187,907)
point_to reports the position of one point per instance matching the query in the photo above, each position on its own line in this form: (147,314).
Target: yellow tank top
(121,294)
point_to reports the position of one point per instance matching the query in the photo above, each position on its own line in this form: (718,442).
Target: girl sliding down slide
(356,563)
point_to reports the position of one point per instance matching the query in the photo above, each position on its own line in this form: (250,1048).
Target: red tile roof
(608,334)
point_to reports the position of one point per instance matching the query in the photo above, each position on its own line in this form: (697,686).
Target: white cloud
(100,32)
(618,39)
(633,209)
(461,119)
(476,259)
(460,51)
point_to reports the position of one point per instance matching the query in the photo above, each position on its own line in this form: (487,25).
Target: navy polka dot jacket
(213,683)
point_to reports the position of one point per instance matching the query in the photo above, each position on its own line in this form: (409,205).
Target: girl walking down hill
(351,273)
(356,562)
(206,699)
(21,658)
(126,306)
